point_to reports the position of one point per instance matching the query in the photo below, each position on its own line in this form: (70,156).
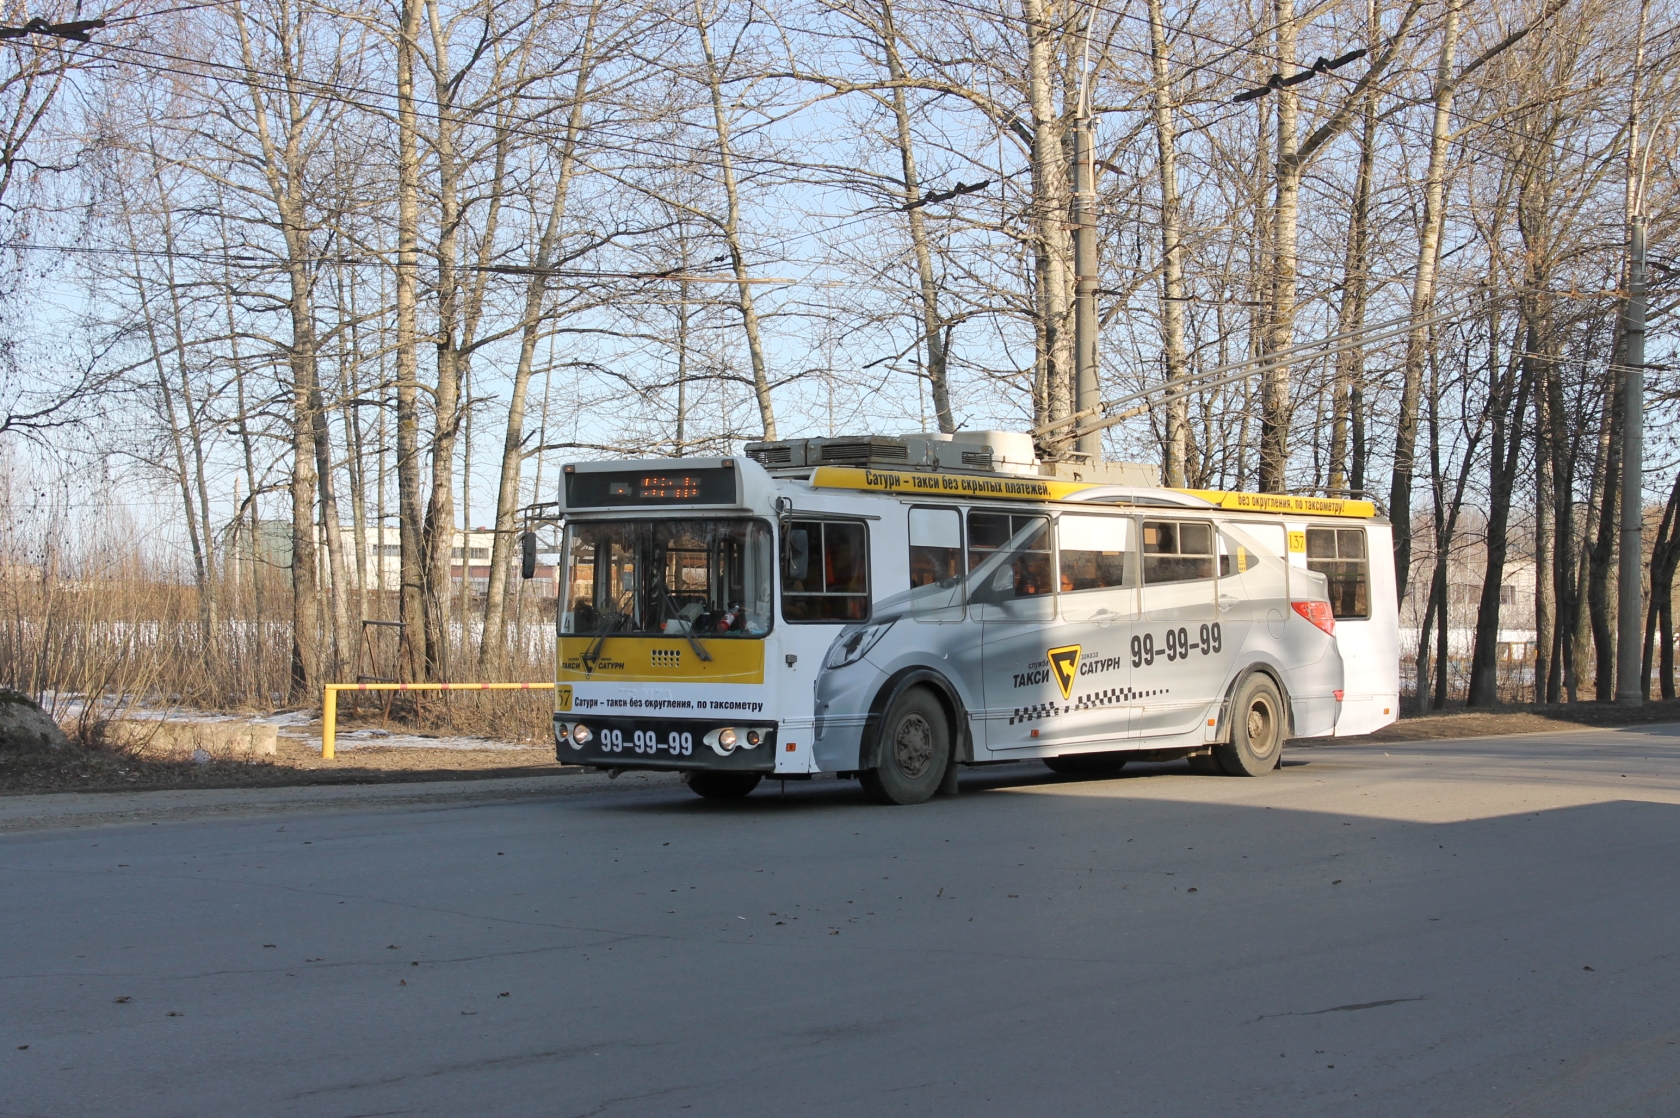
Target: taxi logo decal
(1064,662)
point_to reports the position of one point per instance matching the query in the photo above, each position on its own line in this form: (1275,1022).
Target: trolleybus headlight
(752,738)
(850,647)
(726,738)
(580,735)
(723,740)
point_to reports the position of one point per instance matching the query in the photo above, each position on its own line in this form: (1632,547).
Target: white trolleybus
(892,608)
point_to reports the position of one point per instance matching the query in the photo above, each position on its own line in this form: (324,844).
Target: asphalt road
(1446,928)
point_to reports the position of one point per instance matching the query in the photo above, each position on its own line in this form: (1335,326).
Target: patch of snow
(363,739)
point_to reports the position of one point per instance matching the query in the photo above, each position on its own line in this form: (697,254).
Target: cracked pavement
(1475,927)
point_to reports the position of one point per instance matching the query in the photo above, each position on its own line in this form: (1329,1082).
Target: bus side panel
(1371,648)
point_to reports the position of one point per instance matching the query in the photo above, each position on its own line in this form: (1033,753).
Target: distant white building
(1517,635)
(380,562)
(470,552)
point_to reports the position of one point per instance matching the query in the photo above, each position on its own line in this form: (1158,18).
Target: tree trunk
(306,657)
(1274,384)
(730,227)
(492,649)
(1602,555)
(1564,443)
(1347,423)
(1665,551)
(1504,461)
(438,536)
(338,588)
(1172,253)
(1050,215)
(1545,634)
(350,360)
(189,474)
(410,513)
(1423,300)
(933,323)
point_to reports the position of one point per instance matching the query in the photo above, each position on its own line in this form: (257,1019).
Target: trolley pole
(1630,597)
(1086,393)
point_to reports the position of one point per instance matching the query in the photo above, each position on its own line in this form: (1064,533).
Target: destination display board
(706,485)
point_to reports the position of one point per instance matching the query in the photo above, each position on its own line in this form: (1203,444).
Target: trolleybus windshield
(689,577)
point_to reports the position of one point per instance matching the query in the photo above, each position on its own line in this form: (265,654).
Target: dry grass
(94,624)
(1457,721)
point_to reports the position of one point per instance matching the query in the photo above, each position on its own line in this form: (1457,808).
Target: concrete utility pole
(1086,394)
(1630,596)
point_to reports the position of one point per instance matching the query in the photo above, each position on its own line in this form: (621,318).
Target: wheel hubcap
(1261,725)
(913,745)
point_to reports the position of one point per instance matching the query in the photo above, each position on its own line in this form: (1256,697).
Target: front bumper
(664,744)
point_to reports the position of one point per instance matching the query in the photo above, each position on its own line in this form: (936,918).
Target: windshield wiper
(593,656)
(699,649)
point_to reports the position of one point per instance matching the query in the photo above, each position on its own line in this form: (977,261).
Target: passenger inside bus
(1177,551)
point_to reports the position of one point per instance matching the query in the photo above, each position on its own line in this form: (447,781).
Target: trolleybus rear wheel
(914,749)
(1087,764)
(722,786)
(1257,729)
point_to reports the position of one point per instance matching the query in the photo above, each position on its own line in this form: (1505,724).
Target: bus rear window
(1339,555)
(827,577)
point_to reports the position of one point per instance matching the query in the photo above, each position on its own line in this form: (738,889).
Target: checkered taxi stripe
(1112,696)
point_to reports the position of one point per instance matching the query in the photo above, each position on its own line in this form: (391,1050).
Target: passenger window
(1095,552)
(1027,573)
(834,582)
(935,546)
(1339,555)
(1176,551)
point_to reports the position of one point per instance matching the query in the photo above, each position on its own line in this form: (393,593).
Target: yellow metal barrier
(329,701)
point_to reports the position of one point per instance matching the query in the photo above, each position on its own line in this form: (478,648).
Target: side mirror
(799,554)
(528,555)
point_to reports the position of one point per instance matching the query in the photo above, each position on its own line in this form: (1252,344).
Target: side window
(1027,573)
(1177,551)
(1095,552)
(1339,555)
(826,579)
(935,546)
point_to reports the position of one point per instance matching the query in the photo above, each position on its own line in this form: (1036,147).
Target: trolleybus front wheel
(914,750)
(722,786)
(1257,729)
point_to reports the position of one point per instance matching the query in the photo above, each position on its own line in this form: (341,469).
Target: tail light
(1318,613)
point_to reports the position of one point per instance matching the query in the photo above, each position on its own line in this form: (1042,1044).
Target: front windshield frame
(670,576)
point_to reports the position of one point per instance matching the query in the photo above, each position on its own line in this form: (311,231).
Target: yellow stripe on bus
(1009,487)
(662,660)
(1006,486)
(1284,502)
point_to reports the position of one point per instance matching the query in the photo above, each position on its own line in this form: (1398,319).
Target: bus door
(1173,656)
(1361,594)
(936,599)
(1097,569)
(1013,598)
